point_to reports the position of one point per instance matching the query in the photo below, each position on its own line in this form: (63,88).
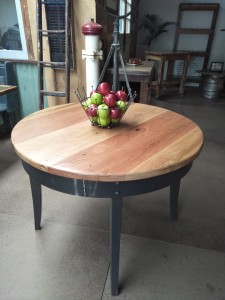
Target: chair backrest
(7,76)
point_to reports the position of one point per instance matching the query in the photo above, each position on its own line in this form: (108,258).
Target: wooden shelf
(198,7)
(194,31)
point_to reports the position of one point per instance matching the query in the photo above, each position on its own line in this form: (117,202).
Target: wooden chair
(9,104)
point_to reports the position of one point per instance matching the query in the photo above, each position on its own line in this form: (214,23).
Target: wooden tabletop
(145,68)
(167,52)
(4,89)
(149,141)
(172,55)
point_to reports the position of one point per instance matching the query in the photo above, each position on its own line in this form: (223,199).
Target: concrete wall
(167,10)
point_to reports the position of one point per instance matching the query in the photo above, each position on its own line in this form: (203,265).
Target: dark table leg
(115,230)
(174,195)
(37,202)
(115,191)
(144,92)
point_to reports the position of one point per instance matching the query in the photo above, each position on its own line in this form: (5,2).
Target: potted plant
(154,27)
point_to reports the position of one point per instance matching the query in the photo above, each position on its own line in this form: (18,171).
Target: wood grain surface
(149,141)
(145,68)
(5,89)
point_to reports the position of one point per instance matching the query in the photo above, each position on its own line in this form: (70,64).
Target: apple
(86,103)
(103,111)
(92,110)
(122,105)
(110,100)
(104,88)
(115,114)
(96,98)
(104,121)
(121,95)
(94,120)
(134,60)
(93,91)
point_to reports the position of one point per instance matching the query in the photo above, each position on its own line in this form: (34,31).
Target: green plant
(155,28)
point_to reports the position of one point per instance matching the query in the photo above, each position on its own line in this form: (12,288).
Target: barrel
(212,87)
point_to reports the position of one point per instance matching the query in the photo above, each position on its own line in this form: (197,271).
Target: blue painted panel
(27,81)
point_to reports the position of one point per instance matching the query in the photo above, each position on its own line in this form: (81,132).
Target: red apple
(121,95)
(115,113)
(92,110)
(110,100)
(93,91)
(104,88)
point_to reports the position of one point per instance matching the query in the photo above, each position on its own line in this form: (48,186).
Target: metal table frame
(114,190)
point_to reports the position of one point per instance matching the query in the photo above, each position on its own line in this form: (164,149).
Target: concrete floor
(161,260)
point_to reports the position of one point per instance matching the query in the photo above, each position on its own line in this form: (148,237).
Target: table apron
(136,78)
(97,189)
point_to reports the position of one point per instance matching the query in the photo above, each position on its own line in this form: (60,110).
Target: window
(124,24)
(12,35)
(121,8)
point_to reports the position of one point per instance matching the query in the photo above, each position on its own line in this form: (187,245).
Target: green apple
(122,105)
(86,103)
(103,111)
(94,120)
(96,98)
(115,121)
(103,121)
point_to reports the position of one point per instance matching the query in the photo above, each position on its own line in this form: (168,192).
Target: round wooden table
(150,149)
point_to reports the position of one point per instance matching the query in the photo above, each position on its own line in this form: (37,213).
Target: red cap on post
(92,28)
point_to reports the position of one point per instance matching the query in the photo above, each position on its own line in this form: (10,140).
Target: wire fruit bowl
(104,107)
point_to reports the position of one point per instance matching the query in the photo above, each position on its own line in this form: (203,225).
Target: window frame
(125,23)
(25,33)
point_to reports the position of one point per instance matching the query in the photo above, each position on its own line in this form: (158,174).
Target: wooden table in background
(142,73)
(170,80)
(4,89)
(150,149)
(7,106)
